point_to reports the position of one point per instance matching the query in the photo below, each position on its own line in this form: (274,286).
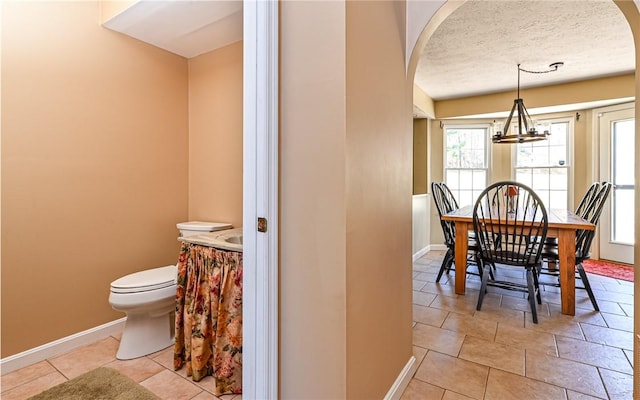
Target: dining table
(562,224)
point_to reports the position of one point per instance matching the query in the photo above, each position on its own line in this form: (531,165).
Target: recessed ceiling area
(186,28)
(476,50)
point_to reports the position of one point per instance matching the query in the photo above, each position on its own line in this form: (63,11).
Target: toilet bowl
(148,299)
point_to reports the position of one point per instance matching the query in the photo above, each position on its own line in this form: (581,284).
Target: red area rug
(610,269)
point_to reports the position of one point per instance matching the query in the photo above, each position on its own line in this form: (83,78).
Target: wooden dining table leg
(462,238)
(567,261)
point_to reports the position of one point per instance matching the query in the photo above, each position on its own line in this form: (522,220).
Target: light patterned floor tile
(594,354)
(459,304)
(34,387)
(137,369)
(438,339)
(571,395)
(563,325)
(170,386)
(86,358)
(619,386)
(26,374)
(589,315)
(422,298)
(528,339)
(418,390)
(563,373)
(471,326)
(608,336)
(428,315)
(453,374)
(419,353)
(494,355)
(450,395)
(619,322)
(504,385)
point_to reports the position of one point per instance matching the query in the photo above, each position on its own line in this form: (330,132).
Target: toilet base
(144,334)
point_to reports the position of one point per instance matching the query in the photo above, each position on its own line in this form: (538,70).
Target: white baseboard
(402,380)
(60,346)
(438,247)
(421,252)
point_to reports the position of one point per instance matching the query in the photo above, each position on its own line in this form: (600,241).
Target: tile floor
(499,353)
(495,353)
(155,372)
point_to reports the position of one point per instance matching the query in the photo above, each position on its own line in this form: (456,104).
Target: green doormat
(100,384)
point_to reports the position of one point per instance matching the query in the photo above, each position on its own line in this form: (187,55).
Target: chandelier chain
(553,67)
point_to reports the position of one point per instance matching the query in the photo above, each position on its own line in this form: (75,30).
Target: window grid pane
(543,166)
(466,162)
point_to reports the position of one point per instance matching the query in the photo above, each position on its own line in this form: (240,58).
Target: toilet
(148,298)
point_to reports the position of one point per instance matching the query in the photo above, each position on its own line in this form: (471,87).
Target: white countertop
(228,239)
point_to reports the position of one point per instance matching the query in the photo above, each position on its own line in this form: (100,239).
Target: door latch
(262,224)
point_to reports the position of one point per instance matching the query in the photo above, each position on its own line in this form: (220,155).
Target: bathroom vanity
(208,324)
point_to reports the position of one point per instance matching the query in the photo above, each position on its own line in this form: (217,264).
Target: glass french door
(617,156)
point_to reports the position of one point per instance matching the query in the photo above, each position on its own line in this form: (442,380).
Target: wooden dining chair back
(591,212)
(588,198)
(445,203)
(510,224)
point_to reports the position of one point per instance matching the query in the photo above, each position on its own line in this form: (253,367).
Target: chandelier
(527,131)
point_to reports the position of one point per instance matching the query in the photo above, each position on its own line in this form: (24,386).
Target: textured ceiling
(476,50)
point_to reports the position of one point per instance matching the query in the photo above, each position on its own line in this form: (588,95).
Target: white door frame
(260,199)
(623,253)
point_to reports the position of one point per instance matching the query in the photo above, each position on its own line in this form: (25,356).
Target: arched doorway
(431,17)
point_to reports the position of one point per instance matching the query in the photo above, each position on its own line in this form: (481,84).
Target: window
(466,161)
(544,165)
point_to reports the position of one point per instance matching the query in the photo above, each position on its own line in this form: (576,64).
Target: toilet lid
(203,226)
(143,281)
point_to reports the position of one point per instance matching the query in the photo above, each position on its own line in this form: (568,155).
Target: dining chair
(585,202)
(588,197)
(445,203)
(510,224)
(584,238)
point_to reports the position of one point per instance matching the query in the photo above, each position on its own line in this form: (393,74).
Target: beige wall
(312,201)
(420,158)
(345,288)
(94,166)
(215,136)
(569,93)
(379,188)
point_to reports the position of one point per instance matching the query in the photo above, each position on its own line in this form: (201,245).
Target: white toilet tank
(198,227)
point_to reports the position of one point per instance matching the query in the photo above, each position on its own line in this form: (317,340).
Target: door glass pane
(623,149)
(623,216)
(623,152)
